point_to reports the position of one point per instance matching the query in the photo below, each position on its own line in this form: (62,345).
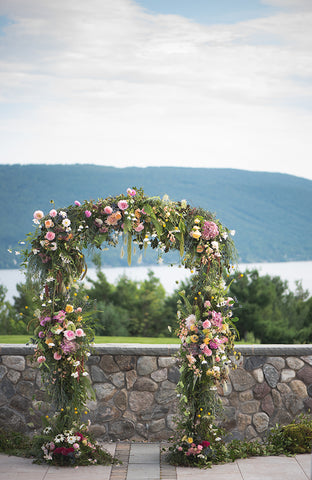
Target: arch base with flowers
(54,257)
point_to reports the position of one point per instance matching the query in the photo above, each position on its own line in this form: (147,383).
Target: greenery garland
(55,258)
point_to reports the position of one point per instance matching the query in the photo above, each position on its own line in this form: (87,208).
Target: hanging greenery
(55,257)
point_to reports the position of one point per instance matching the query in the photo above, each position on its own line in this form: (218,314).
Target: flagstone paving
(146,461)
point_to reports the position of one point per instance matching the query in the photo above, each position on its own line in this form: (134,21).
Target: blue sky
(210,11)
(201,83)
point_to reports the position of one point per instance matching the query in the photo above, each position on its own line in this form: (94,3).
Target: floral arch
(63,335)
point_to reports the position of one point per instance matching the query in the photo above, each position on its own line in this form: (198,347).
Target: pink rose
(139,228)
(108,210)
(38,214)
(69,335)
(180,449)
(76,446)
(41,359)
(206,324)
(78,309)
(78,204)
(123,204)
(57,356)
(207,304)
(131,192)
(80,333)
(50,236)
(53,212)
(88,213)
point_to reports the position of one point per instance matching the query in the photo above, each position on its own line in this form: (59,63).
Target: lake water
(169,276)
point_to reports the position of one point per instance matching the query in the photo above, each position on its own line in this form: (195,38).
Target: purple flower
(69,346)
(210,230)
(41,334)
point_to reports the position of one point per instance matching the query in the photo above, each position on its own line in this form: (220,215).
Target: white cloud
(106,82)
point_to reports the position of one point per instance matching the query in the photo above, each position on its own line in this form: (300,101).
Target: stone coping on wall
(167,349)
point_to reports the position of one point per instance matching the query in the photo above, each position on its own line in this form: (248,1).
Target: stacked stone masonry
(135,388)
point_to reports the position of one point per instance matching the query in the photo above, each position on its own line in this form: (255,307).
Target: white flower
(76,364)
(218,439)
(59,438)
(72,439)
(47,430)
(232,232)
(75,374)
(62,214)
(85,374)
(183,203)
(224,235)
(66,222)
(215,245)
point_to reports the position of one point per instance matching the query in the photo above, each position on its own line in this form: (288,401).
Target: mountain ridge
(269,211)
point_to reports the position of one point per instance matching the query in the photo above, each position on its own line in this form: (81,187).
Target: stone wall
(136,397)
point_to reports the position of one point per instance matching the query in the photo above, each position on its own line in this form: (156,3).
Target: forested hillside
(270,212)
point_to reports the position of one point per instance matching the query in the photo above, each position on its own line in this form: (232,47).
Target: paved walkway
(144,461)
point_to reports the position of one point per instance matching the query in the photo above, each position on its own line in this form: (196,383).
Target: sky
(191,83)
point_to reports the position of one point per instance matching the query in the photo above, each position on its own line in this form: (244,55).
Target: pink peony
(50,236)
(123,204)
(57,356)
(53,212)
(41,359)
(139,228)
(206,324)
(131,192)
(80,333)
(210,230)
(108,210)
(88,213)
(69,335)
(38,214)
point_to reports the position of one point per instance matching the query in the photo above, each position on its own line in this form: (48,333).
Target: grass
(23,339)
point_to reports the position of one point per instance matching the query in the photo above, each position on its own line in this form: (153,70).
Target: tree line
(268,311)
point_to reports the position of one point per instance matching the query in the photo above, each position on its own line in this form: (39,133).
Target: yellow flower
(69,308)
(206,340)
(79,318)
(194,338)
(26,307)
(190,440)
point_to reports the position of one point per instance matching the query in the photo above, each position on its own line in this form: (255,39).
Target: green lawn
(25,339)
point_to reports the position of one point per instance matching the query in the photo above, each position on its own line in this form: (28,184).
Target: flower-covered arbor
(63,335)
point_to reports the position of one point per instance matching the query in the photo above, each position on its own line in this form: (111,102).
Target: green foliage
(268,311)
(14,443)
(131,307)
(293,438)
